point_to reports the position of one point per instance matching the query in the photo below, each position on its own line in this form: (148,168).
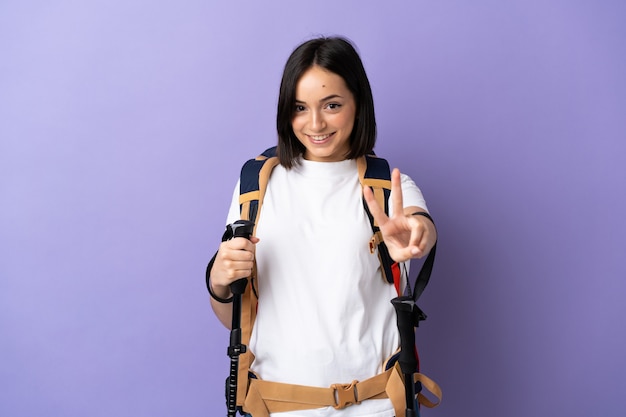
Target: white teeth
(319,138)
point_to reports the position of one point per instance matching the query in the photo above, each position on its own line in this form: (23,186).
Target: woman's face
(324,115)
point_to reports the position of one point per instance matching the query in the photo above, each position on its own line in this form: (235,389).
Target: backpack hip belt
(266,397)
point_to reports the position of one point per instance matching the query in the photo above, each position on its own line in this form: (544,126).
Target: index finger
(396,193)
(376,211)
(239,243)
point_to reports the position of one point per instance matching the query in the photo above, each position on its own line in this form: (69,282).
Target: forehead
(319,81)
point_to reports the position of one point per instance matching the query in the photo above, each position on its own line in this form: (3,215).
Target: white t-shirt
(324,313)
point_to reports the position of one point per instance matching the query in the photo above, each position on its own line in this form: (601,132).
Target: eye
(333,106)
(299,108)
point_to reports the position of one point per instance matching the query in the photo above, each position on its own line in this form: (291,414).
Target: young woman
(324,315)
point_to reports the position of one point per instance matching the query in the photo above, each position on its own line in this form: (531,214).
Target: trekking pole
(241,228)
(408,315)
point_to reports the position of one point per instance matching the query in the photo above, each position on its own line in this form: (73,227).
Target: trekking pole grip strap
(427,267)
(210,288)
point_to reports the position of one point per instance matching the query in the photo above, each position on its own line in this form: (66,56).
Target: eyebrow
(330,97)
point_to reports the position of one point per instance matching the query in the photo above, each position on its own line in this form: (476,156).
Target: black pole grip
(241,228)
(406,318)
(405,307)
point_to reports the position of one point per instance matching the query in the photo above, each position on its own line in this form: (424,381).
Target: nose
(317,122)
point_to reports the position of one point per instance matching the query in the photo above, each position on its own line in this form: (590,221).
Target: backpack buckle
(377,239)
(345,394)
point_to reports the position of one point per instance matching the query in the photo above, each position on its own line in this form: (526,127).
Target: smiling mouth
(319,138)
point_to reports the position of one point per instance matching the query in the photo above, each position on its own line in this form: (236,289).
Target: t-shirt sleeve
(233,211)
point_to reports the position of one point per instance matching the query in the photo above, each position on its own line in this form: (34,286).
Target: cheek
(347,122)
(296,124)
(347,119)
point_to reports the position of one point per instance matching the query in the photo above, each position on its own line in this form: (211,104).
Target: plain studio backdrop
(123,125)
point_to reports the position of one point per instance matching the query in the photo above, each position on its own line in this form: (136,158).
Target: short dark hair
(339,56)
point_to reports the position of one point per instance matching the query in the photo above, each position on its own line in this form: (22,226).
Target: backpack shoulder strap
(252,183)
(374,172)
(253,180)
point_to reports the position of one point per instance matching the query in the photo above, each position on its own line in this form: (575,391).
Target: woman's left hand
(405,235)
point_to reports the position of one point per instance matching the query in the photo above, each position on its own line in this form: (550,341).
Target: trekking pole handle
(405,314)
(241,228)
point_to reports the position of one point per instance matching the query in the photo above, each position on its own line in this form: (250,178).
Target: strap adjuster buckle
(345,394)
(377,239)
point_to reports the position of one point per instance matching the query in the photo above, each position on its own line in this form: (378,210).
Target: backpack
(261,397)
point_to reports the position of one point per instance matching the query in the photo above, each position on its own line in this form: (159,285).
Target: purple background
(123,125)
